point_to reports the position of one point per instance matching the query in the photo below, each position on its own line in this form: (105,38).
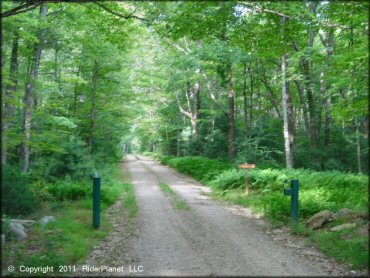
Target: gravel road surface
(206,240)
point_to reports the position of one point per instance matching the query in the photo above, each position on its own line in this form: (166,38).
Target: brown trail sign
(246,167)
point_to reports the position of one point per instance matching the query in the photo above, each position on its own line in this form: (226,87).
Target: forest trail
(208,239)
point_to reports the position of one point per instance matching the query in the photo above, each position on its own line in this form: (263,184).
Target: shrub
(18,196)
(229,179)
(331,190)
(201,168)
(63,190)
(66,190)
(72,160)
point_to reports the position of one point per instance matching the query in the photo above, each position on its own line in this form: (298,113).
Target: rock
(24,222)
(343,227)
(47,219)
(319,219)
(344,212)
(17,230)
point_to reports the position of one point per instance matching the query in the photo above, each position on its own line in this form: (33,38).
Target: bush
(229,179)
(201,168)
(318,190)
(73,160)
(331,190)
(66,190)
(18,196)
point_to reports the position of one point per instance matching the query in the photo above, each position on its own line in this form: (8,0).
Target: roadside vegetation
(176,201)
(215,83)
(69,239)
(331,190)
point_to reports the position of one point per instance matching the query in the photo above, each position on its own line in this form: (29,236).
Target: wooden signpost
(246,167)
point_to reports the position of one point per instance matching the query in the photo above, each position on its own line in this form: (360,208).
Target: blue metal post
(294,193)
(96,200)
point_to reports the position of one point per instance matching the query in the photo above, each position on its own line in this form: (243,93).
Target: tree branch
(295,46)
(180,107)
(177,46)
(264,10)
(118,14)
(57,11)
(187,93)
(30,5)
(213,96)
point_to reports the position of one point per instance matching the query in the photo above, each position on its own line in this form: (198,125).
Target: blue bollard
(294,193)
(96,200)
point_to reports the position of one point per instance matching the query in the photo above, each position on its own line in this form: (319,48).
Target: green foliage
(229,179)
(18,193)
(70,189)
(347,246)
(331,190)
(63,190)
(201,168)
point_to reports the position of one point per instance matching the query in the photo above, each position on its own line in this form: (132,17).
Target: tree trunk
(56,76)
(251,100)
(9,109)
(271,93)
(328,41)
(245,100)
(312,123)
(328,109)
(76,83)
(231,116)
(366,128)
(93,106)
(288,136)
(29,98)
(192,112)
(358,146)
(304,108)
(196,108)
(178,145)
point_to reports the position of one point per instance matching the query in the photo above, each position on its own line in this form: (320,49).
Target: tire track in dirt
(206,240)
(210,239)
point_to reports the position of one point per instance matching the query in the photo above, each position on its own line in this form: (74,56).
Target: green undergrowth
(177,202)
(200,168)
(69,239)
(330,190)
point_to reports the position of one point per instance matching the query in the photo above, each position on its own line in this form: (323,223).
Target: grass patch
(67,241)
(177,202)
(129,200)
(70,239)
(167,189)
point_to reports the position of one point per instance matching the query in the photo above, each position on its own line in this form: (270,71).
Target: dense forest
(202,87)
(277,84)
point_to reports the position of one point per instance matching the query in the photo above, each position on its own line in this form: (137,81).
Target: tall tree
(287,109)
(10,90)
(29,94)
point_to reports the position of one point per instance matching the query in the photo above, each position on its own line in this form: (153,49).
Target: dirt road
(208,239)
